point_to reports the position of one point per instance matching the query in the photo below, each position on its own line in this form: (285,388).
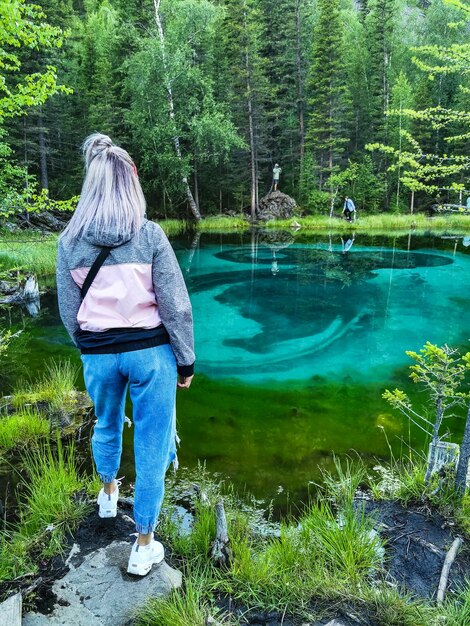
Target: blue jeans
(151,377)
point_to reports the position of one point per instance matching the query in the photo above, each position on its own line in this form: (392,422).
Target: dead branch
(450,558)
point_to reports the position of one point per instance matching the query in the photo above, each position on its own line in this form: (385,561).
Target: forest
(367,98)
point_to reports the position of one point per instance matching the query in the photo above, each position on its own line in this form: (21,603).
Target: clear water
(296,341)
(266,312)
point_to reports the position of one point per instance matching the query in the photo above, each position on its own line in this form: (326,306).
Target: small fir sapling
(441,371)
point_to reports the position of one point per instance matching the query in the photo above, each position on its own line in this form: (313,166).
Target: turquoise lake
(296,340)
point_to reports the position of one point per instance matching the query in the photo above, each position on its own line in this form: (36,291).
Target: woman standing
(132,322)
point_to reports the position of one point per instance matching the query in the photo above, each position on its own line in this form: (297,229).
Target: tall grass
(173,227)
(403,480)
(56,388)
(457,609)
(330,555)
(222,224)
(382,223)
(52,504)
(31,255)
(21,429)
(190,606)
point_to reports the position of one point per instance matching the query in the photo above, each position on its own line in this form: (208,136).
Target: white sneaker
(108,502)
(143,557)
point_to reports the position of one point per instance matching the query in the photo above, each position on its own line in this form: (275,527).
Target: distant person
(349,210)
(468,202)
(347,242)
(276,173)
(123,300)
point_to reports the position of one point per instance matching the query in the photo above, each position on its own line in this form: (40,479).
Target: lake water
(296,340)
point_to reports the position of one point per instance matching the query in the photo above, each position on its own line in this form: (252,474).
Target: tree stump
(221,552)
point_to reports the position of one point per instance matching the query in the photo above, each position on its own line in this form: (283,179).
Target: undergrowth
(52,502)
(56,388)
(22,428)
(327,557)
(36,255)
(403,480)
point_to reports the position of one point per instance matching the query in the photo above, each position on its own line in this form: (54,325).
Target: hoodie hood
(107,239)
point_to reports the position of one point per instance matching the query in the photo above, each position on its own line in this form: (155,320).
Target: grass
(403,480)
(22,429)
(32,252)
(56,389)
(28,253)
(330,556)
(191,606)
(382,223)
(52,504)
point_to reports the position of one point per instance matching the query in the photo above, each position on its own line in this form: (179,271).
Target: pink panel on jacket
(121,296)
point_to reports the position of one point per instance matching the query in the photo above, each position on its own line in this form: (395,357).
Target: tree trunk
(464,458)
(171,111)
(435,437)
(196,185)
(300,95)
(42,153)
(252,143)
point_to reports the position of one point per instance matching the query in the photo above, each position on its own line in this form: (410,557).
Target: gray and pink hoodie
(137,300)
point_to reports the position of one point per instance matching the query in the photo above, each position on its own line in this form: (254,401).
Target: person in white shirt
(349,210)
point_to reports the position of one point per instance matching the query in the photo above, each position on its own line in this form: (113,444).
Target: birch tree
(171,110)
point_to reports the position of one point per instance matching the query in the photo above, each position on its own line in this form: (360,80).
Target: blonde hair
(111,200)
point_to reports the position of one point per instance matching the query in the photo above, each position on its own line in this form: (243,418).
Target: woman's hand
(184,381)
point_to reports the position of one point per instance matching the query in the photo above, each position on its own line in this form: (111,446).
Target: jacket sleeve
(173,302)
(68,294)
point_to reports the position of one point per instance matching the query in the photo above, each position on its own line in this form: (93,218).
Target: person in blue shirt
(468,202)
(349,210)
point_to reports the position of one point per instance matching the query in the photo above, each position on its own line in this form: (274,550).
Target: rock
(97,591)
(48,221)
(10,611)
(276,205)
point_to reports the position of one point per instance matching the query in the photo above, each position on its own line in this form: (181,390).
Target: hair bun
(94,145)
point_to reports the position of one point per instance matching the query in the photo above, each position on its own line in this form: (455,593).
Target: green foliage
(329,102)
(441,371)
(29,254)
(329,555)
(22,26)
(203,125)
(52,504)
(56,388)
(191,606)
(22,428)
(446,166)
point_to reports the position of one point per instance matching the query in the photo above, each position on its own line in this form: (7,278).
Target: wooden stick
(450,558)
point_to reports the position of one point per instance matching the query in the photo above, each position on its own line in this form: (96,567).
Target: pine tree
(328,122)
(242,35)
(380,27)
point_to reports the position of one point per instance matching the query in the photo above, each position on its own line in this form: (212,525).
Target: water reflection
(284,309)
